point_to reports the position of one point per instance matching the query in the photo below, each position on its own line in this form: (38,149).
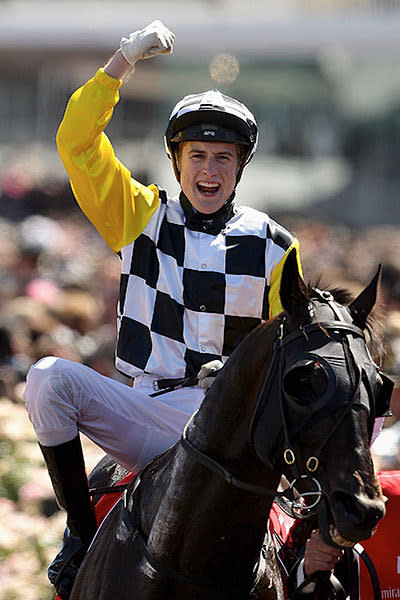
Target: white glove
(208,373)
(145,43)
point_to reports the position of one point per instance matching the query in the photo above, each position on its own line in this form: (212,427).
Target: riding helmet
(211,117)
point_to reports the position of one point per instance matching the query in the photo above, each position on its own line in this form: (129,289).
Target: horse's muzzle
(346,519)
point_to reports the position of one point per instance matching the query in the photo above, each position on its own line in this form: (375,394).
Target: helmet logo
(214,116)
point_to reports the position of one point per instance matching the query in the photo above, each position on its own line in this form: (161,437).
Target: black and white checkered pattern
(188,297)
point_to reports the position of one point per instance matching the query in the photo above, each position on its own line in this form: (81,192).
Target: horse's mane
(374,324)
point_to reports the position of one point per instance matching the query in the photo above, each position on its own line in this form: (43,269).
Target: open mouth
(209,189)
(328,529)
(338,539)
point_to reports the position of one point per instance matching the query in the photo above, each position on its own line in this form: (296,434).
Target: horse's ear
(361,307)
(293,291)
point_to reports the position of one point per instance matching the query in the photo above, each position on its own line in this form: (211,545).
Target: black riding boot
(66,467)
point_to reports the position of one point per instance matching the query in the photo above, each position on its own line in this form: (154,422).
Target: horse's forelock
(340,295)
(374,324)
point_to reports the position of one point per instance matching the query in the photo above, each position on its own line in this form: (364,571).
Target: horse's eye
(306,382)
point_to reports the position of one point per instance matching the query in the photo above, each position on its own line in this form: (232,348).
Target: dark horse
(298,397)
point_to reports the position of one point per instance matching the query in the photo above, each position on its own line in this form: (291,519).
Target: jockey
(198,273)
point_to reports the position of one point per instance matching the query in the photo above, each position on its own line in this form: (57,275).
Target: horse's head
(325,391)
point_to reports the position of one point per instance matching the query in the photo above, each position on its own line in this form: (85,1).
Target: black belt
(163,386)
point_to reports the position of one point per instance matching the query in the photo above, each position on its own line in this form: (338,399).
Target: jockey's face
(208,173)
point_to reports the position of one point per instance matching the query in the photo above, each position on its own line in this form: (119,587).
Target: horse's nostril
(357,512)
(347,504)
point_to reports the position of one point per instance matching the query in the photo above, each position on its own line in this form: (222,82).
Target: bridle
(302,505)
(298,505)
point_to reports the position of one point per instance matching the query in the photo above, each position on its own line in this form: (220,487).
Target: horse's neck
(199,505)
(222,424)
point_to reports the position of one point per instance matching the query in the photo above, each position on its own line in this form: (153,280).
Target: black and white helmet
(211,117)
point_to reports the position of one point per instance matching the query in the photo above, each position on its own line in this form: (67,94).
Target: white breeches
(64,397)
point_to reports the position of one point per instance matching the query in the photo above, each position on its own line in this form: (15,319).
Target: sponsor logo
(208,132)
(391,593)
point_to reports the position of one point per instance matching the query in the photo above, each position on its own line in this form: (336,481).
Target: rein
(362,553)
(287,499)
(217,468)
(283,497)
(330,583)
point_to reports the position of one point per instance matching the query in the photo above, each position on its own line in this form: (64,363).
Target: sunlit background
(322,78)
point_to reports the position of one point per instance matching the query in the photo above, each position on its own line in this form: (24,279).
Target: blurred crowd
(59,286)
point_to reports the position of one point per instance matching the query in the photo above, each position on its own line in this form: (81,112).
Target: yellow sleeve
(118,206)
(275,306)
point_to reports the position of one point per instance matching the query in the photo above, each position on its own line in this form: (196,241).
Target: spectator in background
(390,287)
(10,372)
(55,278)
(15,185)
(386,448)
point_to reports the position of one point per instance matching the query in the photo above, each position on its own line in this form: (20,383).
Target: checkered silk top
(190,291)
(188,296)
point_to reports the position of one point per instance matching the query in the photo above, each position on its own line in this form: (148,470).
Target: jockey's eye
(305,382)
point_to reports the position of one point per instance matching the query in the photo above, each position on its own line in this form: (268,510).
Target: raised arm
(117,205)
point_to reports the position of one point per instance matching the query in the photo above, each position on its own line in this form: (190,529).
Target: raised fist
(145,43)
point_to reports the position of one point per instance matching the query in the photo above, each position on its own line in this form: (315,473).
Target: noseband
(296,504)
